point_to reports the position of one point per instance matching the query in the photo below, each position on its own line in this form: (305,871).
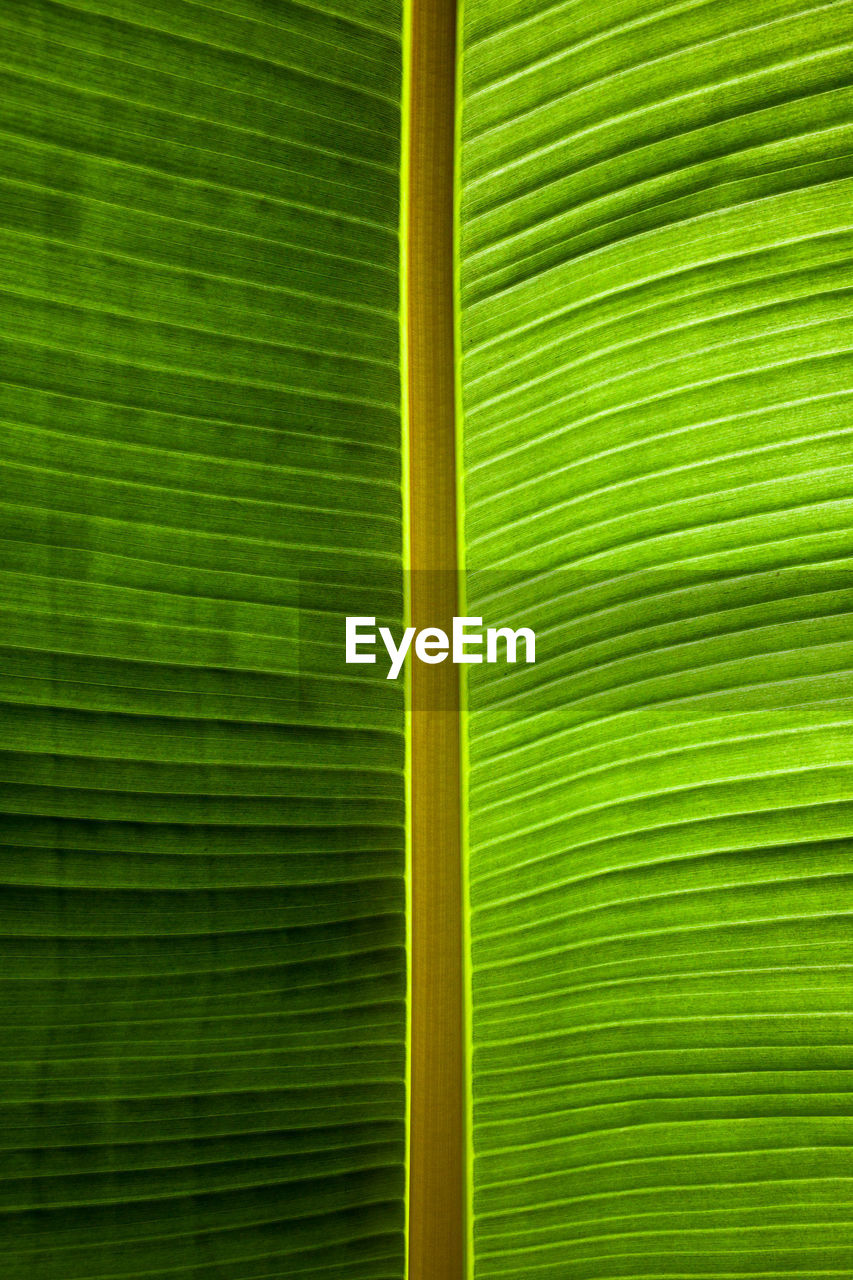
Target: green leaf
(656,276)
(204,821)
(203,837)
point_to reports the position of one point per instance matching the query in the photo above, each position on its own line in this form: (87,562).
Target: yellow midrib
(437,1162)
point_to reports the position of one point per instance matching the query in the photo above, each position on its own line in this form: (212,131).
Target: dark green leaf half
(203,986)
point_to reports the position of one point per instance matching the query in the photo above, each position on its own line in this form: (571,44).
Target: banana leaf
(655,289)
(202,1070)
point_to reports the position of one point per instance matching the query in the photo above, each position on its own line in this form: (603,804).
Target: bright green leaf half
(202,1071)
(656,321)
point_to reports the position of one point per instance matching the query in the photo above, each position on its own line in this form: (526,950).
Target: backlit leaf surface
(656,320)
(202,1066)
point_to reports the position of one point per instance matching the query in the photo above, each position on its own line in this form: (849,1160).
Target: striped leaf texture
(203,986)
(656,298)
